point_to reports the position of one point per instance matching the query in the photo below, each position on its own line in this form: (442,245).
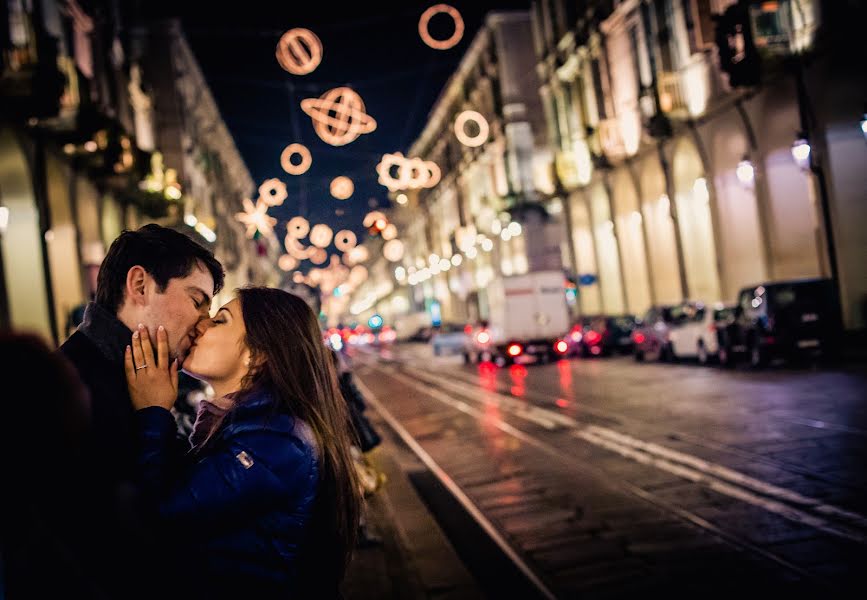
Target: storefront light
(745,172)
(801,152)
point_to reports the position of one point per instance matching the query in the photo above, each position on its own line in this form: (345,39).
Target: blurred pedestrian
(268,498)
(49,507)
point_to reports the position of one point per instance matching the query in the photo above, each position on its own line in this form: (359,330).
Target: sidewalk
(416,560)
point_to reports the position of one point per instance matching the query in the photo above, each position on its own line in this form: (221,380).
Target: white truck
(528,316)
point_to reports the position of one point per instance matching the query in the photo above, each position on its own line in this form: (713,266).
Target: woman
(267,499)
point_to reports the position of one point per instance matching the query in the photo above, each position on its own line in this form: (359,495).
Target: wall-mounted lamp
(746,172)
(801,152)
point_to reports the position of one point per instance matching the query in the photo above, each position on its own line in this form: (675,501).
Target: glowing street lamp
(801,152)
(864,125)
(746,172)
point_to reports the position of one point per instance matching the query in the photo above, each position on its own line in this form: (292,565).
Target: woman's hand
(151,379)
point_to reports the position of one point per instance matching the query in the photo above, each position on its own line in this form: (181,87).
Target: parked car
(574,337)
(479,343)
(422,334)
(448,338)
(784,319)
(650,337)
(605,335)
(697,330)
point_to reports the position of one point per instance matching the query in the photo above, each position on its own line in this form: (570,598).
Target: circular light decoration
(411,173)
(390,232)
(287,263)
(297,227)
(342,187)
(424,22)
(320,236)
(273,192)
(357,275)
(460,129)
(286,159)
(372,217)
(393,250)
(345,240)
(359,254)
(296,249)
(299,51)
(318,256)
(339,116)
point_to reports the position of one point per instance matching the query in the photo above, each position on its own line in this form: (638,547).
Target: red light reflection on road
(562,403)
(565,373)
(488,376)
(518,373)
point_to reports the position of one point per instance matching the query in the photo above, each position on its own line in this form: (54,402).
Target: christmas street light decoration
(320,235)
(389,232)
(298,227)
(339,116)
(424,23)
(287,263)
(412,173)
(255,217)
(345,240)
(299,51)
(393,250)
(371,218)
(461,133)
(342,187)
(286,159)
(318,256)
(273,192)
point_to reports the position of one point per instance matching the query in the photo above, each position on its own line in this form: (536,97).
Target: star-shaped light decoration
(256,218)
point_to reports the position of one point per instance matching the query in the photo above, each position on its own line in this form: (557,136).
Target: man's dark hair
(164,253)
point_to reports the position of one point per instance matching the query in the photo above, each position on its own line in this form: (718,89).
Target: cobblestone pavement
(608,478)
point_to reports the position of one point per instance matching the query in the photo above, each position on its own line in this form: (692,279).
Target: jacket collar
(106,332)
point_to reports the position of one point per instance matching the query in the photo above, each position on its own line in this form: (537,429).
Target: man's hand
(152,380)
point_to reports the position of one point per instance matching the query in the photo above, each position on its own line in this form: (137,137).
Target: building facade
(705,145)
(91,143)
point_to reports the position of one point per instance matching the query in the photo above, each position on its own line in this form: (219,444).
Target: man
(153,276)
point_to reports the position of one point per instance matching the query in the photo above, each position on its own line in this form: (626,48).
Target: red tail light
(561,347)
(639,338)
(592,337)
(514,349)
(468,329)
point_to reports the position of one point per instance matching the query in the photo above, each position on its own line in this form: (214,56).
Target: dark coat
(244,500)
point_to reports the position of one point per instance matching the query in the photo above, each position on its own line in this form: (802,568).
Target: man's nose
(203,325)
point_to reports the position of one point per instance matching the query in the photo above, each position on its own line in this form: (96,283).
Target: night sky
(372,47)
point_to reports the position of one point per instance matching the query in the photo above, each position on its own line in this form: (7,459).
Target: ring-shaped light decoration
(297,227)
(460,132)
(296,249)
(318,256)
(434,173)
(339,116)
(320,235)
(384,168)
(286,159)
(345,240)
(287,263)
(393,250)
(390,232)
(273,192)
(372,217)
(342,187)
(299,51)
(424,22)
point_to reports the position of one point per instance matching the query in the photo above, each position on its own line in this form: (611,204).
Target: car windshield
(723,314)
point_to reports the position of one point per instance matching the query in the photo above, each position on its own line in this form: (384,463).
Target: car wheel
(467,358)
(701,353)
(665,353)
(500,361)
(639,356)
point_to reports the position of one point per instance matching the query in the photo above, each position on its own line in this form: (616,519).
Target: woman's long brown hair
(293,363)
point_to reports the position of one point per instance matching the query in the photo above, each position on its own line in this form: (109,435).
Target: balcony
(684,93)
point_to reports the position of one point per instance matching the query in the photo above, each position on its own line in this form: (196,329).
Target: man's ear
(136,285)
